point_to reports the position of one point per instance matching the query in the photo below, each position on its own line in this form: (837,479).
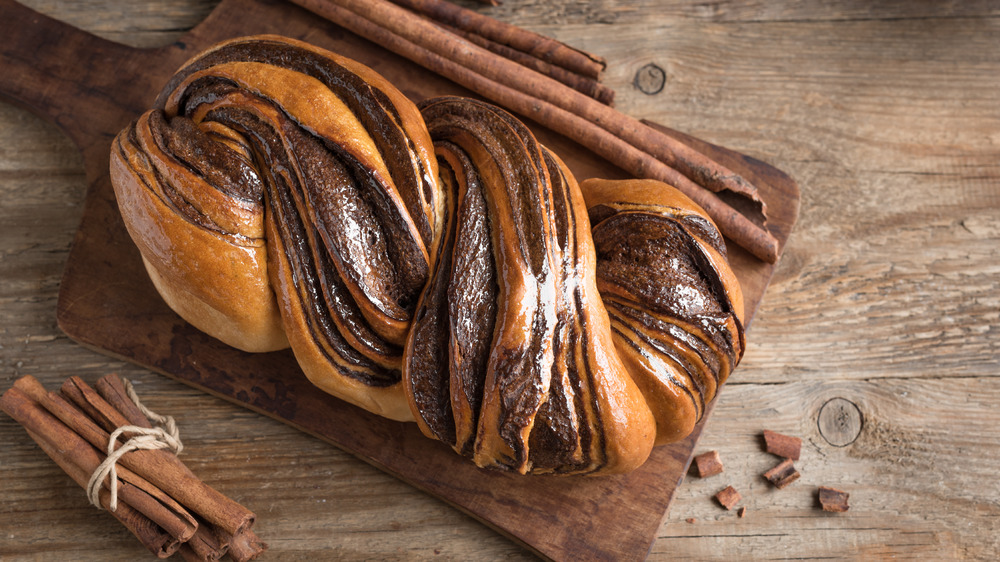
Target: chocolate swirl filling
(505,361)
(659,272)
(371,105)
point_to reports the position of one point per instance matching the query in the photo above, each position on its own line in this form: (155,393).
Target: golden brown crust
(627,422)
(551,394)
(324,365)
(217,282)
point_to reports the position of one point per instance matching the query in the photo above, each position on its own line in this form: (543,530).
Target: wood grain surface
(91,87)
(876,343)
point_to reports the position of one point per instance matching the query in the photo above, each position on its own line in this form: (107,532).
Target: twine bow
(163,436)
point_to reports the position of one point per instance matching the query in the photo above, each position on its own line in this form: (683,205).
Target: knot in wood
(650,79)
(840,422)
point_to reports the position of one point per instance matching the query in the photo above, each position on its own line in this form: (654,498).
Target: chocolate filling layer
(509,163)
(651,256)
(472,297)
(426,372)
(371,106)
(298,164)
(664,297)
(220,166)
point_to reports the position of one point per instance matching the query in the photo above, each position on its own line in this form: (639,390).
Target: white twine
(164,436)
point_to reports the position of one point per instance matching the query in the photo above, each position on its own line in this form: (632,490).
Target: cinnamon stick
(583,84)
(112,389)
(538,46)
(245,546)
(161,468)
(74,434)
(633,146)
(204,546)
(574,68)
(50,414)
(670,151)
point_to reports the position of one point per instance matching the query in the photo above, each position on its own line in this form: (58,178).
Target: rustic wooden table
(877,342)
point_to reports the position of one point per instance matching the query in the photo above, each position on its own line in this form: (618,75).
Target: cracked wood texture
(887,296)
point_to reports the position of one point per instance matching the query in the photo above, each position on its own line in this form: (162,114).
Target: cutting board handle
(61,73)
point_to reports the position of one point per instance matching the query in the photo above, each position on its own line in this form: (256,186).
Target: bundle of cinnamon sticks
(159,499)
(487,57)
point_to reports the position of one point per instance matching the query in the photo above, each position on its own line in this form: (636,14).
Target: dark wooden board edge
(107,303)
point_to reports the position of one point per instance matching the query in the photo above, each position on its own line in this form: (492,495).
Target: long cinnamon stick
(160,467)
(538,46)
(607,132)
(672,152)
(583,84)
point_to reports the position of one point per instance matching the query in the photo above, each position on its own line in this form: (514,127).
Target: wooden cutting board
(91,88)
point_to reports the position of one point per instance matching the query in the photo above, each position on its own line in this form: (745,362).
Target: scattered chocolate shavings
(833,500)
(708,464)
(782,445)
(783,474)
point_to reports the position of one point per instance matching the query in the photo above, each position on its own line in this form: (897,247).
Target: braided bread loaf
(282,195)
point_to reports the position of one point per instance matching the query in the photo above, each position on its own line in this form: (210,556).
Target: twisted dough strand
(344,208)
(542,389)
(676,307)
